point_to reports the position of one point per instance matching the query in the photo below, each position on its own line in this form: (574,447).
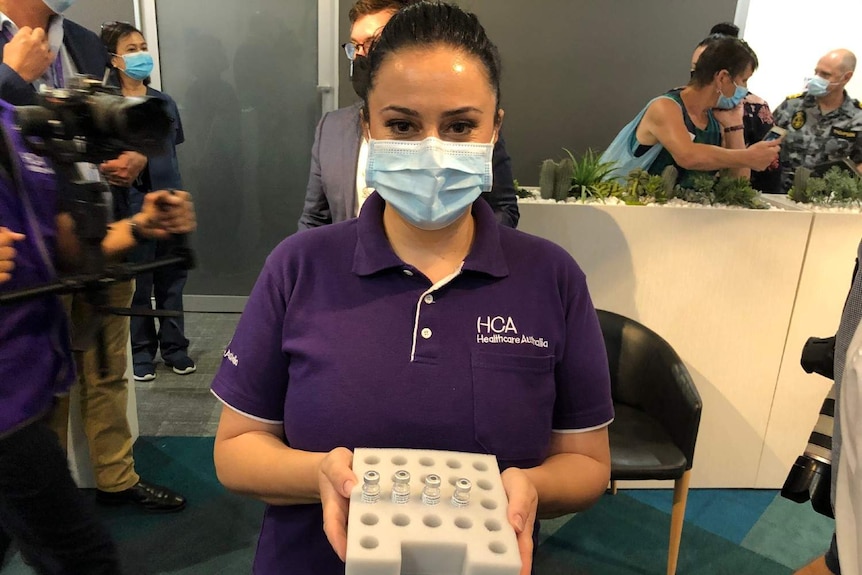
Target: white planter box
(721,286)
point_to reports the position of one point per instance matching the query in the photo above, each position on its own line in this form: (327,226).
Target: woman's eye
(399,127)
(462,128)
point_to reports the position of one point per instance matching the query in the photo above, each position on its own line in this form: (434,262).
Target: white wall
(789,37)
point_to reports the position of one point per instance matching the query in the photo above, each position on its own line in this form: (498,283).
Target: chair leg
(680,494)
(613,488)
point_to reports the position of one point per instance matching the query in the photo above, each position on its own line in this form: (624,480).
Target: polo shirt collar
(374,254)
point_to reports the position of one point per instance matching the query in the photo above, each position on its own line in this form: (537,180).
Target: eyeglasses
(351,49)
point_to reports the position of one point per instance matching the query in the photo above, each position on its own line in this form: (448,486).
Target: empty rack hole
(493,525)
(497,547)
(401,520)
(463,523)
(489,504)
(369,542)
(431,521)
(369,519)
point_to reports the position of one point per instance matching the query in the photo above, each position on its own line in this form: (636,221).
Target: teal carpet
(726,531)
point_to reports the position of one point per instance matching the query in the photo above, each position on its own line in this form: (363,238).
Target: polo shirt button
(429,298)
(426,333)
(408,273)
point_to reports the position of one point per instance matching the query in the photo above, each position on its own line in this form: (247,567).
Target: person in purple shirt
(41,509)
(420,324)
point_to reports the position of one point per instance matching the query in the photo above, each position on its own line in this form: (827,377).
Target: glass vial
(431,491)
(370,487)
(461,497)
(401,486)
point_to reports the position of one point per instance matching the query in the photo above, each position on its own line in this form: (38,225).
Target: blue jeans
(166,284)
(42,509)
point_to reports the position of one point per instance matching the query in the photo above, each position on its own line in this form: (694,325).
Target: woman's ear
(118,62)
(498,124)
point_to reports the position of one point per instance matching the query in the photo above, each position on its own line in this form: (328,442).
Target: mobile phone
(774,133)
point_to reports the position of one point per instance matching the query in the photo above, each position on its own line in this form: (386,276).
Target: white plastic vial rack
(458,528)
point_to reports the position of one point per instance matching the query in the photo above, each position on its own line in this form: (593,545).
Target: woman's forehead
(441,68)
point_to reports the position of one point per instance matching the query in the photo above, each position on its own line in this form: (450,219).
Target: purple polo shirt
(35,361)
(348,346)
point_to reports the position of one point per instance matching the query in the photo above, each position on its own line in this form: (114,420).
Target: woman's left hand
(523,501)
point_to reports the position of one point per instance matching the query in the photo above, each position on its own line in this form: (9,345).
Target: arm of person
(733,135)
(162,215)
(575,474)
(315,211)
(503,197)
(663,124)
(252,458)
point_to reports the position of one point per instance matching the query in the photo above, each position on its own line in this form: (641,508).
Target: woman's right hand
(762,154)
(336,480)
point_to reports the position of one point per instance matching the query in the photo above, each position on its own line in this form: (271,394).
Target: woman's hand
(165,213)
(762,154)
(7,252)
(125,169)
(336,480)
(729,118)
(523,501)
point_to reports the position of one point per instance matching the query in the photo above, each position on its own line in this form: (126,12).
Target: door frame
(328,52)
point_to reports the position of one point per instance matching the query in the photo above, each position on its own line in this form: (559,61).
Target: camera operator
(40,47)
(40,506)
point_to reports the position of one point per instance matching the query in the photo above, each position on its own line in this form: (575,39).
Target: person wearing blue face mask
(823,123)
(756,116)
(132,65)
(680,128)
(422,323)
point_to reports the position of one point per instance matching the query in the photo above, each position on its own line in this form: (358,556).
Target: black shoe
(149,496)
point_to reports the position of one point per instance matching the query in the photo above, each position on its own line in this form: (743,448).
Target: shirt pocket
(513,402)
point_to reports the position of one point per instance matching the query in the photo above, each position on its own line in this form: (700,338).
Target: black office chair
(657,406)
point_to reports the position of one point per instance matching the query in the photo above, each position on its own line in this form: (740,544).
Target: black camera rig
(83,124)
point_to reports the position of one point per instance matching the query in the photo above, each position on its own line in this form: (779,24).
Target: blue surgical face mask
(430,183)
(817,86)
(725,103)
(58,6)
(139,65)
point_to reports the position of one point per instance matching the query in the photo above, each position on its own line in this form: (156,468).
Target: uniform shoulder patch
(857,104)
(795,96)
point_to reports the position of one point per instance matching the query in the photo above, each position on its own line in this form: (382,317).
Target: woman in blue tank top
(680,127)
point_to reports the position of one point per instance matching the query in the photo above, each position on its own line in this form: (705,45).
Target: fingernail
(347,487)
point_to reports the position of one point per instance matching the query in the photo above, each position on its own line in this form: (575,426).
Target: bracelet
(734,128)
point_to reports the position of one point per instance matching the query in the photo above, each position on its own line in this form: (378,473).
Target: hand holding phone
(774,134)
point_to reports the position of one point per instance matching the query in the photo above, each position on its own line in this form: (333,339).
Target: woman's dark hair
(723,53)
(435,23)
(112,33)
(725,29)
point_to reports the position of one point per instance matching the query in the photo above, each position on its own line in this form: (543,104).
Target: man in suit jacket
(337,175)
(41,47)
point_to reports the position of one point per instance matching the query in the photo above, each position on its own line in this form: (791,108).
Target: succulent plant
(547,178)
(563,181)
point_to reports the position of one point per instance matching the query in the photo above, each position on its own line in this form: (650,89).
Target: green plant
(835,187)
(588,173)
(799,192)
(547,178)
(521,192)
(644,188)
(563,181)
(733,191)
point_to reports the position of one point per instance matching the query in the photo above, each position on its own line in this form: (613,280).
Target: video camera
(77,126)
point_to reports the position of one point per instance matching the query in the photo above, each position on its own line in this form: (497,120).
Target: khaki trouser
(104,397)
